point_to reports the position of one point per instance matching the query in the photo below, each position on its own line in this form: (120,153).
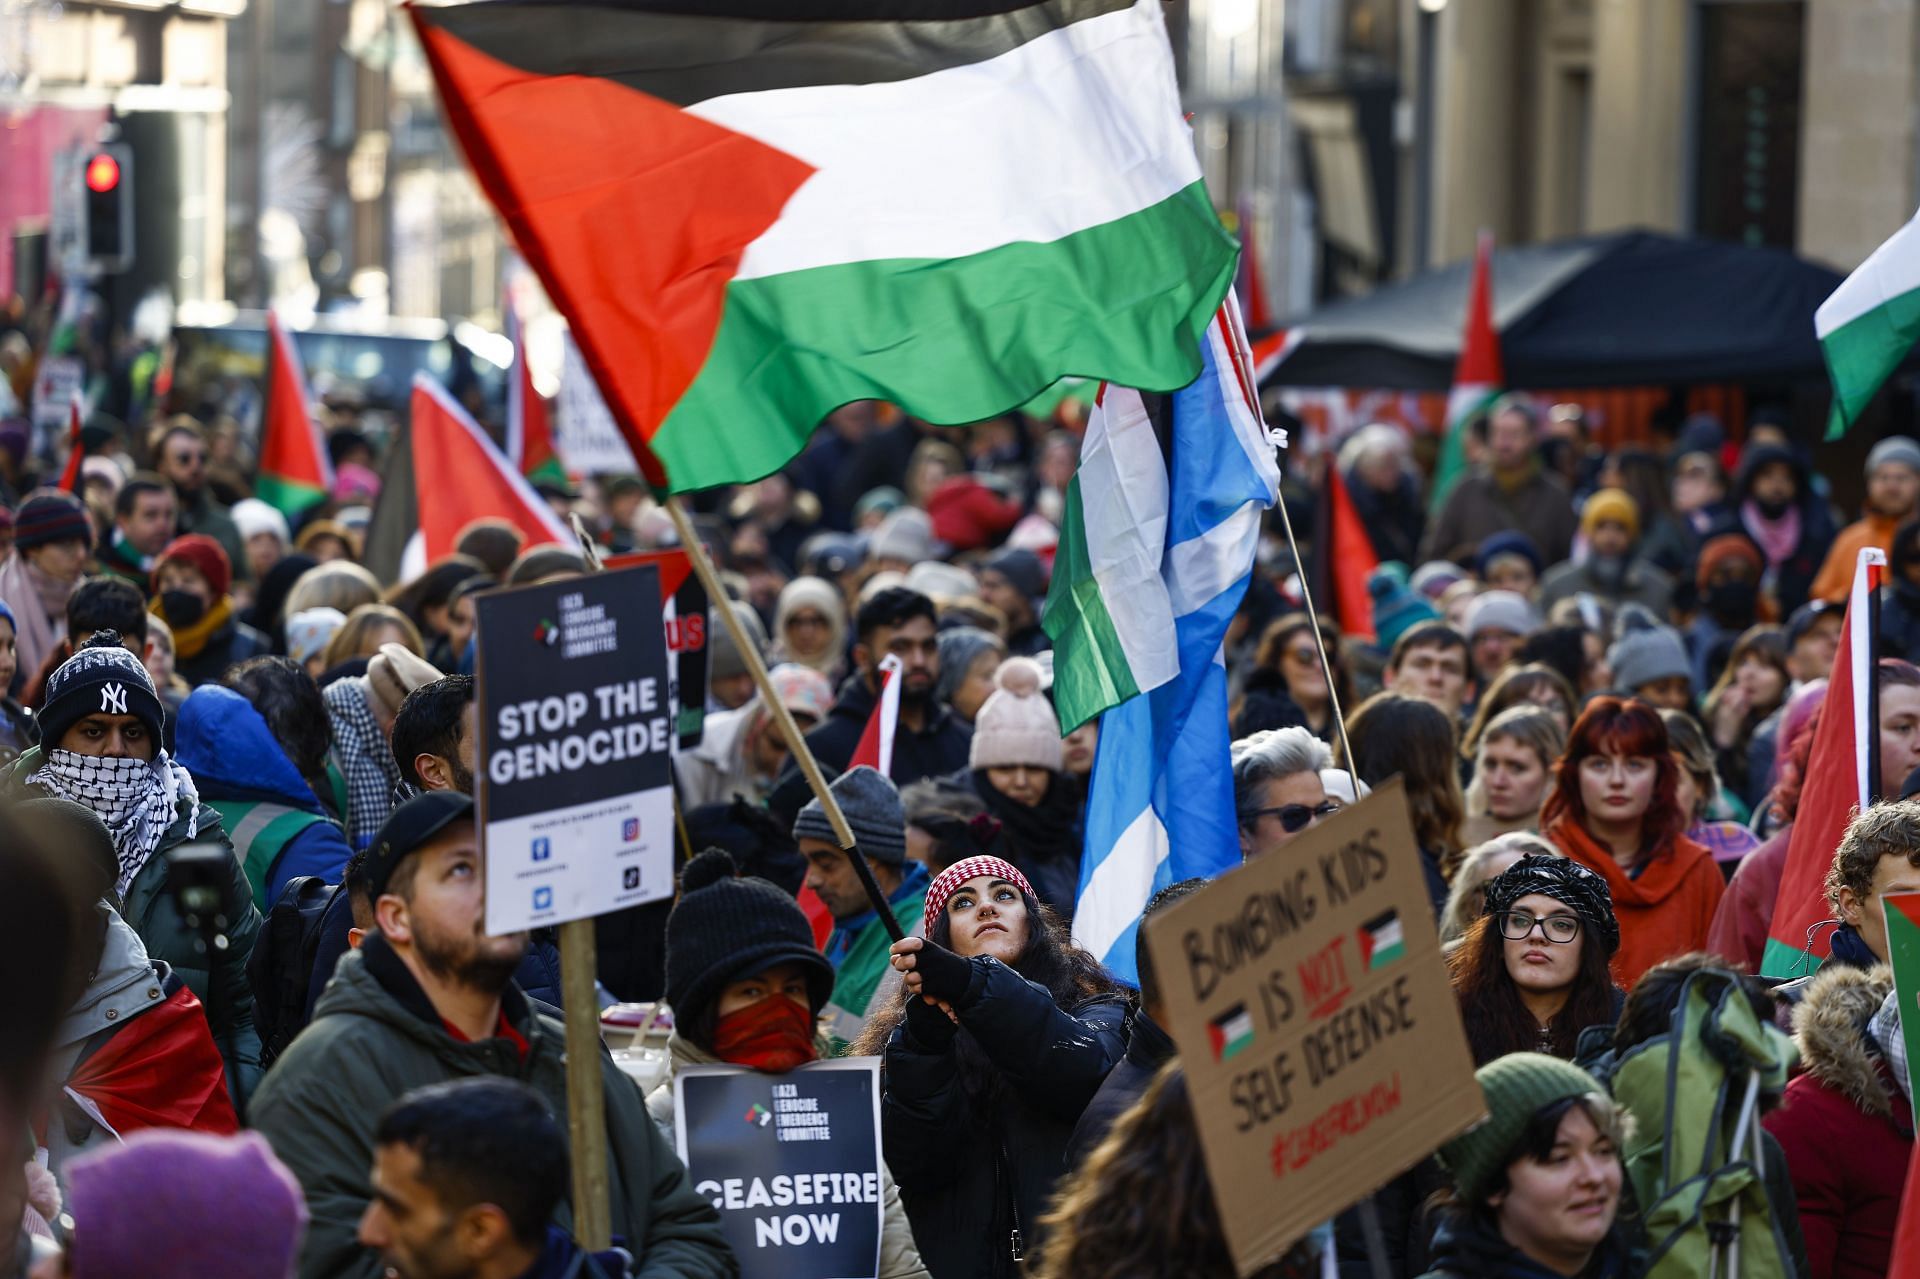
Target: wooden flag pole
(586,1087)
(796,743)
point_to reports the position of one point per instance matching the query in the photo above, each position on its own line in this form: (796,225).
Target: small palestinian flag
(1903,949)
(1382,941)
(751,214)
(1230,1032)
(295,471)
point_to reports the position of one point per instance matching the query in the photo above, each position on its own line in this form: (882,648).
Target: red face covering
(772,1036)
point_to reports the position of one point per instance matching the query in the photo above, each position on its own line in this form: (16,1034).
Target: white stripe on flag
(1889,271)
(1860,658)
(1120,884)
(1073,129)
(1123,503)
(1201,567)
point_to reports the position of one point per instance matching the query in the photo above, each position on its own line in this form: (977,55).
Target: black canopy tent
(1634,308)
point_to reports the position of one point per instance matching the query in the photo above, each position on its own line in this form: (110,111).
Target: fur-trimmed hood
(1830,1027)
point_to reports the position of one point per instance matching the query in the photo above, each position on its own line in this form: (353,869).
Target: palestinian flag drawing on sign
(750,220)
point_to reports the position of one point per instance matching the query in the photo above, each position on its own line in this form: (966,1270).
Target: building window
(1747,145)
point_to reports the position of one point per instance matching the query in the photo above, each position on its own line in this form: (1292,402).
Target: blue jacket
(238,764)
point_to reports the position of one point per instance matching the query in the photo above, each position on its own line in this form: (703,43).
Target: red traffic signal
(103,173)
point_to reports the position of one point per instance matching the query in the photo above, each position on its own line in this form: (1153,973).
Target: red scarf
(772,1036)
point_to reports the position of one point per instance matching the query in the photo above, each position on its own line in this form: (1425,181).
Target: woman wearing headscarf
(969,657)
(810,626)
(1003,1032)
(102,733)
(747,984)
(1532,973)
(1016,759)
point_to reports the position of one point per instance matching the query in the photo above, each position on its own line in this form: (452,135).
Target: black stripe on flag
(689,51)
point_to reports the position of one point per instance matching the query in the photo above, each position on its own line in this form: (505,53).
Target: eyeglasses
(1295,818)
(1518,925)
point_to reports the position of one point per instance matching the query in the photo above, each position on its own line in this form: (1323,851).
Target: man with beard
(1611,572)
(465,1180)
(181,459)
(1513,491)
(931,741)
(1893,494)
(433,735)
(429,998)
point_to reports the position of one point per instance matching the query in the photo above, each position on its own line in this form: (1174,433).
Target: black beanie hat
(101,678)
(725,927)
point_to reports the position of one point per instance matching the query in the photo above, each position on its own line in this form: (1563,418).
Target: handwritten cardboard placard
(1316,1023)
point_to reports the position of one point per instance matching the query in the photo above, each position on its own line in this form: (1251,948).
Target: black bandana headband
(1567,882)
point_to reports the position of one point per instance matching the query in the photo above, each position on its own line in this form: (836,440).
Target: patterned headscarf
(1567,882)
(135,799)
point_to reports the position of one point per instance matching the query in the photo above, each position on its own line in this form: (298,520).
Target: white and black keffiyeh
(365,757)
(135,799)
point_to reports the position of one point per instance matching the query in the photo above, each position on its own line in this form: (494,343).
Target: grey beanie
(723,659)
(1643,655)
(1500,611)
(1895,448)
(872,808)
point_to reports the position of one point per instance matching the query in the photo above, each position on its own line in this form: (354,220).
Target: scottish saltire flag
(1162,523)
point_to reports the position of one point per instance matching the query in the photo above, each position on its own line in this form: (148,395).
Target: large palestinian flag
(751,220)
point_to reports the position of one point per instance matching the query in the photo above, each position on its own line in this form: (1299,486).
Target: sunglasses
(1295,818)
(1518,925)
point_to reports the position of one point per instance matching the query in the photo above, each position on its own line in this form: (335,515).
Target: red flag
(159,1070)
(1846,742)
(1349,556)
(875,749)
(295,471)
(1905,1261)
(461,477)
(529,427)
(76,449)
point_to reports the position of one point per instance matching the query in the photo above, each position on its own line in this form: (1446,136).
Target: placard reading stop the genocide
(1316,1023)
(576,726)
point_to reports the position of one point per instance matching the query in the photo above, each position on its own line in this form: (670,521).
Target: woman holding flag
(1003,1033)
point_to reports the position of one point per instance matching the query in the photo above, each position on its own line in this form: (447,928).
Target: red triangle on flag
(576,163)
(875,748)
(1480,342)
(462,477)
(295,471)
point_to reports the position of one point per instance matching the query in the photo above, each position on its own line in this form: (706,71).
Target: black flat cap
(408,827)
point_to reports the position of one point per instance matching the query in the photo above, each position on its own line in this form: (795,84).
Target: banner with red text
(1314,1017)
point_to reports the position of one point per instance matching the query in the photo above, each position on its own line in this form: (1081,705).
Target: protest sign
(584,430)
(792,1162)
(1903,952)
(576,806)
(1320,1035)
(683,613)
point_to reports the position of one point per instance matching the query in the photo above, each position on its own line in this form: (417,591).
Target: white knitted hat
(1016,725)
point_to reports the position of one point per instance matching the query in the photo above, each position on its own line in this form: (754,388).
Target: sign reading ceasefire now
(1316,1023)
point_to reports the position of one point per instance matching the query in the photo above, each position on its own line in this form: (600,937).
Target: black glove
(928,1026)
(943,974)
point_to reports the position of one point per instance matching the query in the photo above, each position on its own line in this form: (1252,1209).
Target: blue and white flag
(1160,808)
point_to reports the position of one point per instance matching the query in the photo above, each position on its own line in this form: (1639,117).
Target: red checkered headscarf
(949,880)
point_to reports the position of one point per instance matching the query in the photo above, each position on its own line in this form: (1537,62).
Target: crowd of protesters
(239,769)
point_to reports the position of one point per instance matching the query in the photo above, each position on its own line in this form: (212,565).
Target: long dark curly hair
(1497,1019)
(1050,959)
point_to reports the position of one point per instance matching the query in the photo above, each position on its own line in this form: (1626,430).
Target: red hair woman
(1614,809)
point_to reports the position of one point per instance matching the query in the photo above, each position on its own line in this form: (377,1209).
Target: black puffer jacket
(973,1169)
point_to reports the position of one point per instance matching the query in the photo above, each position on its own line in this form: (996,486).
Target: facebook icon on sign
(543,898)
(542,849)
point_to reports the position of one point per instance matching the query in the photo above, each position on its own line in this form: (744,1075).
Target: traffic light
(107,176)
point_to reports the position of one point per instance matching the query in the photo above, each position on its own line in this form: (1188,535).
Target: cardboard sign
(1318,1029)
(576,807)
(792,1162)
(683,613)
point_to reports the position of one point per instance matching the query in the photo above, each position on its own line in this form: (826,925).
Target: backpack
(1696,1160)
(281,966)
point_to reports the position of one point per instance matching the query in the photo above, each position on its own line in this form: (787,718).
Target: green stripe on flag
(289,497)
(1786,962)
(1453,449)
(1864,351)
(1090,667)
(951,341)
(1903,951)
